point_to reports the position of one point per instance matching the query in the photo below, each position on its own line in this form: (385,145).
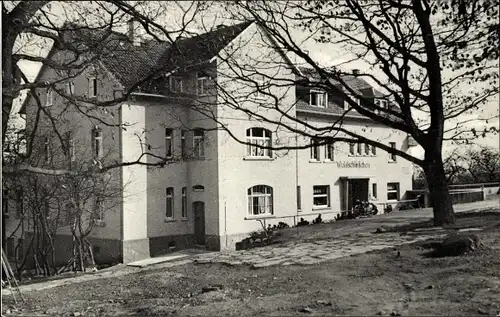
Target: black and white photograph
(251,158)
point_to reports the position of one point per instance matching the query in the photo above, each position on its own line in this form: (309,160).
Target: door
(358,190)
(199,222)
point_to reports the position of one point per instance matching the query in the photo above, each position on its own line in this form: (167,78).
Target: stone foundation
(165,244)
(134,250)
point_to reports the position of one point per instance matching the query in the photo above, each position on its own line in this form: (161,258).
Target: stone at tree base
(457,244)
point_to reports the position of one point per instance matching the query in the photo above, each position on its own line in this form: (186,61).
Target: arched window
(260,200)
(258,137)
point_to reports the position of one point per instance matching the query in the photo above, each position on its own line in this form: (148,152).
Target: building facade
(206,185)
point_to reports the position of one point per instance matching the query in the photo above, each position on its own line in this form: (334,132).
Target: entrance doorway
(199,222)
(357,190)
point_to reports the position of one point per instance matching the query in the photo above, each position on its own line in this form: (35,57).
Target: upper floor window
(258,137)
(329,149)
(392,156)
(70,147)
(183,144)
(49,98)
(46,149)
(168,143)
(260,200)
(199,143)
(92,87)
(202,84)
(176,83)
(374,150)
(367,149)
(97,146)
(360,149)
(70,88)
(351,148)
(259,86)
(318,98)
(5,202)
(314,149)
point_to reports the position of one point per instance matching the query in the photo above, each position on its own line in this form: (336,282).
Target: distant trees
(475,165)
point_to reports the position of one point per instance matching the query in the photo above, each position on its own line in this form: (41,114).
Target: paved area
(307,253)
(354,237)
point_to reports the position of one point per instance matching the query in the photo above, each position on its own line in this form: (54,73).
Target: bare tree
(436,62)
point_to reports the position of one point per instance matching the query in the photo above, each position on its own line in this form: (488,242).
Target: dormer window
(175,84)
(318,99)
(382,103)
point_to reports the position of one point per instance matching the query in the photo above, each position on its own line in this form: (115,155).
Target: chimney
(355,71)
(132,34)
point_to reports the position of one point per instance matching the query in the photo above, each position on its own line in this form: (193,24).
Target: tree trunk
(439,192)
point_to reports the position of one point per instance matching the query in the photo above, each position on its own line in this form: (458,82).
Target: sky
(324,54)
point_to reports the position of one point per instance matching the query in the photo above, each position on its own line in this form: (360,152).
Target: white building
(212,188)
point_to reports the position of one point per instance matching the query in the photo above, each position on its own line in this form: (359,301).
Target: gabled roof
(131,64)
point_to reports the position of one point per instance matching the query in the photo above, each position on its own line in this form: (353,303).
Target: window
(360,148)
(198,188)
(49,100)
(321,196)
(314,149)
(168,143)
(392,156)
(259,86)
(19,203)
(260,200)
(70,88)
(392,191)
(169,211)
(374,150)
(70,147)
(351,148)
(5,202)
(201,84)
(10,248)
(381,103)
(318,99)
(367,149)
(329,149)
(20,249)
(98,209)
(184,203)
(92,87)
(97,143)
(299,202)
(198,143)
(46,149)
(258,137)
(374,190)
(175,84)
(183,144)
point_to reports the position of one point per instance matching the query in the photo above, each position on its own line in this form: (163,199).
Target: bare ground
(369,284)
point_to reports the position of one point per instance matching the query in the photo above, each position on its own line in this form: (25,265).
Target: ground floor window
(169,211)
(184,202)
(321,196)
(260,200)
(392,191)
(374,190)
